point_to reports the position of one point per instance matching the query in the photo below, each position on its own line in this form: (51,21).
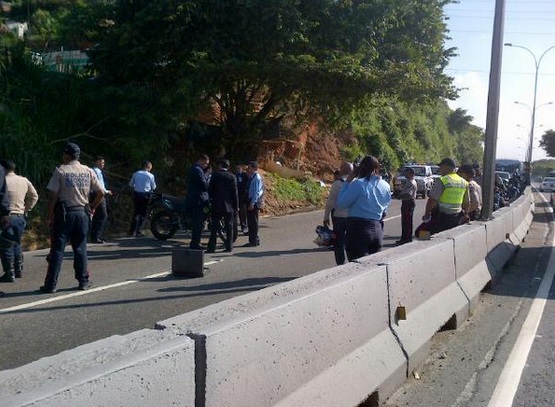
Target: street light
(537,63)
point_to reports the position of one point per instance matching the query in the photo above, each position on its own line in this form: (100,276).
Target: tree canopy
(255,60)
(547,142)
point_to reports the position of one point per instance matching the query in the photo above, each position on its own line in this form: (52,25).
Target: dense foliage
(547,142)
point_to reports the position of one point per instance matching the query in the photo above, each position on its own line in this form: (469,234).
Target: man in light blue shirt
(143,185)
(255,202)
(101,213)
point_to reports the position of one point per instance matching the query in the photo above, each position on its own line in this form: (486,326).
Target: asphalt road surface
(133,288)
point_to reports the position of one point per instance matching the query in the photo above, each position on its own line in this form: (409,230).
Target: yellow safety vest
(454,188)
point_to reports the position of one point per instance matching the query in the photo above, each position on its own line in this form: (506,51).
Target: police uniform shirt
(73,183)
(438,188)
(21,194)
(408,192)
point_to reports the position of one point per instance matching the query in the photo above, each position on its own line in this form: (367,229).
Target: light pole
(537,63)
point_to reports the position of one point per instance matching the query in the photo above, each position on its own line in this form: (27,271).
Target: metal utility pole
(537,63)
(493,110)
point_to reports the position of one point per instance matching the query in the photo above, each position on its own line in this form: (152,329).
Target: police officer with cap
(69,215)
(447,200)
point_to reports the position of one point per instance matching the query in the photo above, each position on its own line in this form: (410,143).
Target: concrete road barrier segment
(470,251)
(292,344)
(336,337)
(144,368)
(421,278)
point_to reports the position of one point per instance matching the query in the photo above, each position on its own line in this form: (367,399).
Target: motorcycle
(168,214)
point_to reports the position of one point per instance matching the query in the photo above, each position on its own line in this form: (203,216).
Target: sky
(528,23)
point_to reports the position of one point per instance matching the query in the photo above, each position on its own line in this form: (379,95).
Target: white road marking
(507,385)
(91,290)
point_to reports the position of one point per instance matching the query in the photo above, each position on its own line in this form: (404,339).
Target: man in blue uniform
(197,198)
(255,195)
(69,215)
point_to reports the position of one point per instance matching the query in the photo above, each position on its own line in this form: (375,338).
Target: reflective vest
(454,188)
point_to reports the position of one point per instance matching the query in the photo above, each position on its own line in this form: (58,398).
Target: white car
(548,184)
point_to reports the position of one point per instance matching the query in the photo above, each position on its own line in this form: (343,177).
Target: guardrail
(343,336)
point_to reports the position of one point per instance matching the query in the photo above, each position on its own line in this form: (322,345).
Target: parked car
(548,184)
(422,176)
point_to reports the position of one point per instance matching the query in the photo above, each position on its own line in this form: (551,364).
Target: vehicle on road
(548,184)
(505,176)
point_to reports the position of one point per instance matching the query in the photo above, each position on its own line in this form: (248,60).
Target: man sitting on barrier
(448,200)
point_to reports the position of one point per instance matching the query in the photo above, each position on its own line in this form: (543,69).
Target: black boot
(8,276)
(18,266)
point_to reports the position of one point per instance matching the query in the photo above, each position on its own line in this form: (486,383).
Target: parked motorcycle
(168,214)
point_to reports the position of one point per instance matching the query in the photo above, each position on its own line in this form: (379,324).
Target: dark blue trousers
(364,237)
(340,231)
(73,230)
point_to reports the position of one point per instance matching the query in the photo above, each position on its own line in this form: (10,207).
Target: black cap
(448,162)
(467,169)
(72,149)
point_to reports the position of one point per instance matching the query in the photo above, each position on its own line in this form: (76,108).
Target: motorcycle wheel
(164,225)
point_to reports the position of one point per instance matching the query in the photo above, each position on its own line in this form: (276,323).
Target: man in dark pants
(197,199)
(69,215)
(338,216)
(255,193)
(101,213)
(22,197)
(242,183)
(4,219)
(143,184)
(225,202)
(408,202)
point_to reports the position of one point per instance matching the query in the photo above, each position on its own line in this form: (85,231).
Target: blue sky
(529,23)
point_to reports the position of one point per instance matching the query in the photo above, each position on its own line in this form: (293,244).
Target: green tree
(547,142)
(256,60)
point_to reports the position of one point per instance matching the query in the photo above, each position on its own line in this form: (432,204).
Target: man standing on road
(22,197)
(4,211)
(197,199)
(447,200)
(225,202)
(255,196)
(242,181)
(143,184)
(101,213)
(69,215)
(474,192)
(338,216)
(408,202)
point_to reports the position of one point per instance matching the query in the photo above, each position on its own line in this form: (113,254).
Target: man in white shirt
(101,214)
(143,185)
(338,216)
(22,197)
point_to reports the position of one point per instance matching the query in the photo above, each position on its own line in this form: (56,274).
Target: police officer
(447,200)
(4,211)
(408,202)
(22,196)
(69,215)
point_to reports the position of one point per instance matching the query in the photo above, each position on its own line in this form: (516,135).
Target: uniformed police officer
(447,200)
(69,215)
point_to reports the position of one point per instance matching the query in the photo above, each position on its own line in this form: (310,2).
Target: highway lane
(133,288)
